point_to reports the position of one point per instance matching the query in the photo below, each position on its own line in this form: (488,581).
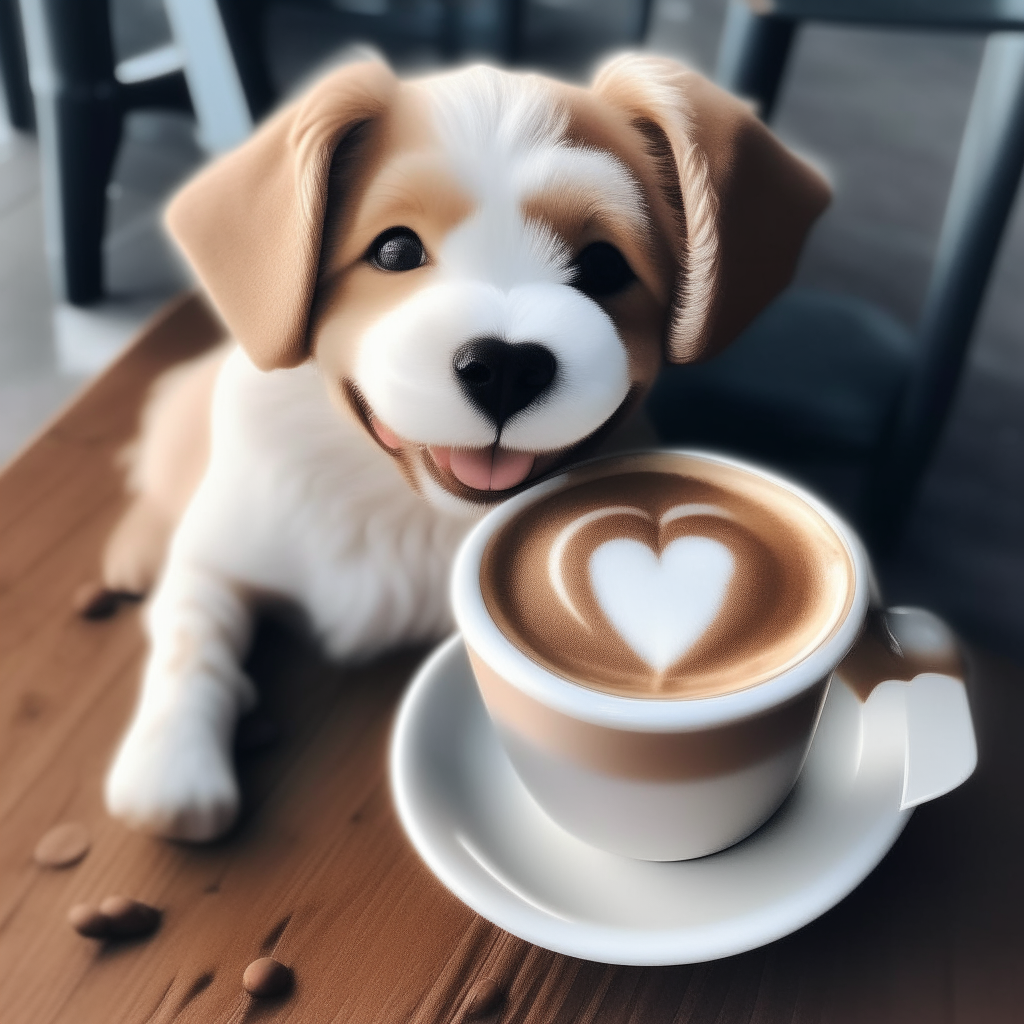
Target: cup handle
(906,665)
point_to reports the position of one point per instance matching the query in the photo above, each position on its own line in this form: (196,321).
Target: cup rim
(578,701)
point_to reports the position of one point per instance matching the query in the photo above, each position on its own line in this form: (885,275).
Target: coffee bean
(266,977)
(484,998)
(117,917)
(128,918)
(88,921)
(94,601)
(63,845)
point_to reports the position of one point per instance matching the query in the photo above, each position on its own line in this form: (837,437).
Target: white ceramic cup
(656,779)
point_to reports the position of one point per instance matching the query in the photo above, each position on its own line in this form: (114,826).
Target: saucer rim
(613,944)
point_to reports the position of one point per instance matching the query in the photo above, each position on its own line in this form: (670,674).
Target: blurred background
(881,108)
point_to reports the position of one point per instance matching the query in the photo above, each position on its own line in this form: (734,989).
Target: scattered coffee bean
(266,977)
(484,998)
(88,921)
(117,917)
(63,845)
(127,918)
(94,601)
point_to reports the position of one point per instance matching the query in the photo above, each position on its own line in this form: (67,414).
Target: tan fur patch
(402,180)
(164,466)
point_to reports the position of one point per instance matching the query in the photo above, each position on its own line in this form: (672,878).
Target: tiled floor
(882,111)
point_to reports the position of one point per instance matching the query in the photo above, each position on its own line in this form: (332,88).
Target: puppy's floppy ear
(741,203)
(251,223)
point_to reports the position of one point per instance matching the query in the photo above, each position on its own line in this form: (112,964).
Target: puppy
(439,291)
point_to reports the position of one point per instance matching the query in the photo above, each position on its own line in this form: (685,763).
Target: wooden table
(319,872)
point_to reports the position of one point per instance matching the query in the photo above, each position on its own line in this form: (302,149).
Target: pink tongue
(485,469)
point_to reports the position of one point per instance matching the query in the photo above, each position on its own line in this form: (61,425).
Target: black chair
(830,386)
(513,16)
(243,26)
(244,23)
(14,68)
(81,98)
(82,95)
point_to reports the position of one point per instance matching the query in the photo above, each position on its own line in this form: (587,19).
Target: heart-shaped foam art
(661,605)
(667,584)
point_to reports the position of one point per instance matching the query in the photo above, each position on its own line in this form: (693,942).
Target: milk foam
(667,576)
(661,605)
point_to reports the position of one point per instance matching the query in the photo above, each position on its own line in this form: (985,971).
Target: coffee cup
(654,635)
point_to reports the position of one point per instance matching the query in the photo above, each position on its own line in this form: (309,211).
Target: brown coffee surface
(786,585)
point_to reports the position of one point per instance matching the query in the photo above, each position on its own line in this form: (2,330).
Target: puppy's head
(489,268)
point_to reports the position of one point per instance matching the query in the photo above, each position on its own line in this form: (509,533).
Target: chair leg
(78,140)
(244,24)
(14,68)
(450,35)
(753,53)
(643,21)
(79,113)
(224,63)
(512,16)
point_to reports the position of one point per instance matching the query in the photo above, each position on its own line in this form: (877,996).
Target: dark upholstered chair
(826,385)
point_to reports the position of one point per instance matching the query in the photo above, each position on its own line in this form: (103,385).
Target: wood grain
(318,873)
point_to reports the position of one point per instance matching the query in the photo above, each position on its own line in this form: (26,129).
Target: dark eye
(602,270)
(397,249)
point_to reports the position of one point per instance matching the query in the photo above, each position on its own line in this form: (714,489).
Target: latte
(667,576)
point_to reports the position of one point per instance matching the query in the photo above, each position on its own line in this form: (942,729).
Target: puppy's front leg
(173,774)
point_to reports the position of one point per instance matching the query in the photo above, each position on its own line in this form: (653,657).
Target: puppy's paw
(172,777)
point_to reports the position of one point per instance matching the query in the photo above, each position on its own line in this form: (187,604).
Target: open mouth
(482,469)
(485,469)
(481,474)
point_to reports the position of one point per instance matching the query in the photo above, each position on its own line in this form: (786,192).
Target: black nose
(500,378)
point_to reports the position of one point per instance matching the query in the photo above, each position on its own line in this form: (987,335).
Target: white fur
(661,604)
(502,275)
(298,501)
(404,366)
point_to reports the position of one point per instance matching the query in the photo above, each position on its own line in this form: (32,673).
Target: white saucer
(482,834)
